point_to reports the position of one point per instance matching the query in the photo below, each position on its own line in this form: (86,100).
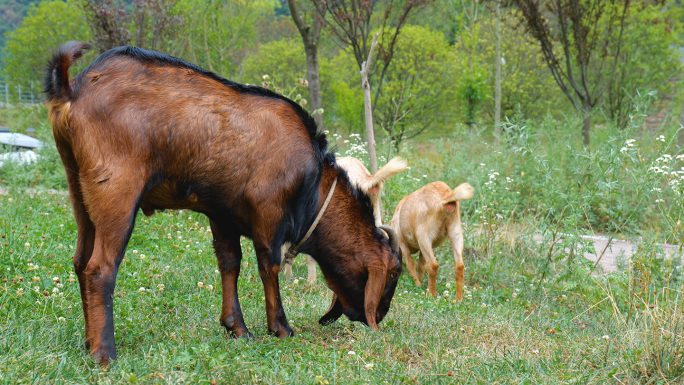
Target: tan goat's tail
(56,87)
(461,192)
(394,166)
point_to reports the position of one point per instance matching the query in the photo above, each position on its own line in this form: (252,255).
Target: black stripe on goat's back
(161,59)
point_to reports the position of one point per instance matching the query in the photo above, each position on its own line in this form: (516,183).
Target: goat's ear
(333,313)
(374,289)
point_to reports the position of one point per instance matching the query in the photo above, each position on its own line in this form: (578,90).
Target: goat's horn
(392,236)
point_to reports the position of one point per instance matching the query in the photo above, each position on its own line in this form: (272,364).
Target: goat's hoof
(283,332)
(103,358)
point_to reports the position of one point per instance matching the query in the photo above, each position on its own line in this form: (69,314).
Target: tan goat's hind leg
(421,266)
(410,265)
(311,270)
(456,236)
(432,266)
(229,256)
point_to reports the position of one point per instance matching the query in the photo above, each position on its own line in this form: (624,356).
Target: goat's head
(366,292)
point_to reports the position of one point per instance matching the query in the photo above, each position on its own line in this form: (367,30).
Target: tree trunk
(586,130)
(497,96)
(310,35)
(313,77)
(680,132)
(370,133)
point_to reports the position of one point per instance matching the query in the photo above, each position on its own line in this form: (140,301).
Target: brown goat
(423,220)
(371,185)
(138,129)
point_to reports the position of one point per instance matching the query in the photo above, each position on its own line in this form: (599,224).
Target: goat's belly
(168,196)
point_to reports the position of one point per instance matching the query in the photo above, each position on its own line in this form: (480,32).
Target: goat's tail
(56,87)
(394,166)
(461,192)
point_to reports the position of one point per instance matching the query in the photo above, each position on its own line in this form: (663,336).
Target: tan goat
(361,178)
(424,220)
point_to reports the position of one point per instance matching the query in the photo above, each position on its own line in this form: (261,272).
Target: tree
(282,60)
(497,76)
(148,24)
(49,24)
(351,21)
(108,21)
(156,23)
(527,86)
(309,25)
(418,85)
(590,34)
(647,61)
(217,33)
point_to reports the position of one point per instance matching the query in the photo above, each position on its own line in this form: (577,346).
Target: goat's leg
(406,253)
(311,270)
(86,229)
(268,270)
(286,264)
(456,237)
(229,256)
(287,269)
(86,234)
(99,278)
(84,251)
(425,244)
(113,216)
(421,266)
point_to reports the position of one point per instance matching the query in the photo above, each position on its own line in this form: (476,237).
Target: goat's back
(198,140)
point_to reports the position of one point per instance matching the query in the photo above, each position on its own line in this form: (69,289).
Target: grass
(532,313)
(506,330)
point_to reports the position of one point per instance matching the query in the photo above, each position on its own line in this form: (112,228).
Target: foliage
(473,77)
(527,86)
(590,36)
(343,95)
(647,61)
(109,22)
(11,14)
(217,34)
(417,82)
(147,24)
(283,60)
(48,25)
(420,77)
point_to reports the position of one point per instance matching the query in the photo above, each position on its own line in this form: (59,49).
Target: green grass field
(509,328)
